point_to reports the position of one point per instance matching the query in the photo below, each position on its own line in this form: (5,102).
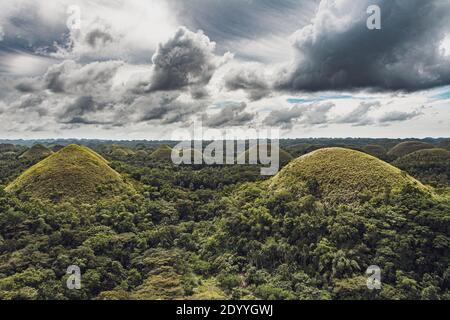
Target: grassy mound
(57,147)
(445,144)
(375,150)
(284,156)
(429,166)
(36,152)
(301,149)
(73,173)
(404,148)
(341,175)
(121,151)
(163,153)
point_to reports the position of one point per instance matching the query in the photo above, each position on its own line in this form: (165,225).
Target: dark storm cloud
(98,37)
(83,121)
(31,103)
(185,60)
(76,111)
(338,51)
(231,115)
(283,118)
(25,27)
(27,86)
(69,77)
(166,108)
(248,80)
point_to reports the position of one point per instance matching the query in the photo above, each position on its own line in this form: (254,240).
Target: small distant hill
(404,148)
(36,152)
(121,151)
(57,147)
(7,147)
(301,149)
(163,153)
(284,156)
(341,175)
(375,150)
(11,151)
(141,154)
(74,173)
(445,144)
(430,166)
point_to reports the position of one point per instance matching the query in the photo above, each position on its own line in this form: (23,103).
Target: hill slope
(375,150)
(340,175)
(284,156)
(404,148)
(430,166)
(163,153)
(75,172)
(36,152)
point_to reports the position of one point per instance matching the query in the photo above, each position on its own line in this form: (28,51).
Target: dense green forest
(225,232)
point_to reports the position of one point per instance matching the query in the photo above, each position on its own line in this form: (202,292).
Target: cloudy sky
(141,69)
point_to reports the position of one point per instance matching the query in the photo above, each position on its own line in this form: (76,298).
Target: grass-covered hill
(73,173)
(163,153)
(404,148)
(7,147)
(429,166)
(57,147)
(36,152)
(341,175)
(301,149)
(284,156)
(445,144)
(121,151)
(291,242)
(375,150)
(219,232)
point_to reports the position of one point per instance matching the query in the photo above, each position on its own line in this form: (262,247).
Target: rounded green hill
(404,148)
(73,173)
(284,156)
(375,150)
(301,149)
(429,166)
(341,175)
(163,153)
(121,151)
(36,152)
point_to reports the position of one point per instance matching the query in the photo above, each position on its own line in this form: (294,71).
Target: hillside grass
(404,148)
(284,156)
(75,172)
(431,166)
(342,175)
(164,153)
(37,151)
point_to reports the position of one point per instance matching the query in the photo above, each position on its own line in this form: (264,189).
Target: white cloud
(23,64)
(136,27)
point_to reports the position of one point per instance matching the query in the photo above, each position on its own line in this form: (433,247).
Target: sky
(143,69)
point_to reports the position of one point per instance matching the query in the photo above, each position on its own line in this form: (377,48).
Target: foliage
(218,232)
